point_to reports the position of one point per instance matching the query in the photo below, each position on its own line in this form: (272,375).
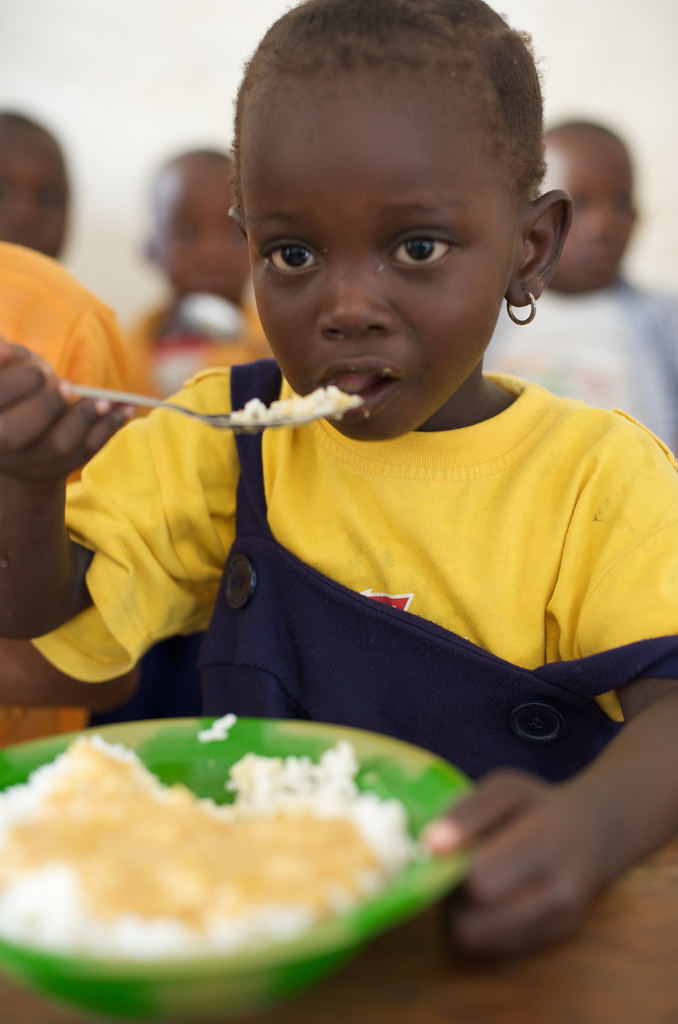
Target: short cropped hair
(216,155)
(221,157)
(578,127)
(460,37)
(14,119)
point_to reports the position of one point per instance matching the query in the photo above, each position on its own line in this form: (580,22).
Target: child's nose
(353,304)
(213,243)
(601,221)
(24,210)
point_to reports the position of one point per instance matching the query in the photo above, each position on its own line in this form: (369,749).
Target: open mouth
(601,256)
(374,386)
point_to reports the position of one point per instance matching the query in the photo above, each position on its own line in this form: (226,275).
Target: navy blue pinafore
(285,641)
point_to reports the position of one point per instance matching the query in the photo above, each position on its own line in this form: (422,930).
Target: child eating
(466,562)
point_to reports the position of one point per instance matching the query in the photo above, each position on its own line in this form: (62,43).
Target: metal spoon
(241,421)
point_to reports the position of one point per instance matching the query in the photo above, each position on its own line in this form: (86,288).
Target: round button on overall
(537,721)
(241,581)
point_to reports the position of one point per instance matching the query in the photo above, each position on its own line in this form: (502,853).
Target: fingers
(83,430)
(497,798)
(25,416)
(103,428)
(542,911)
(530,845)
(506,820)
(23,375)
(533,868)
(7,351)
(44,435)
(42,439)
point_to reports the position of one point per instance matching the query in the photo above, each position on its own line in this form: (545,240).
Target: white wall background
(126,83)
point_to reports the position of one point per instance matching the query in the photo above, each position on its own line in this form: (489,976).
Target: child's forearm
(42,572)
(631,789)
(27,679)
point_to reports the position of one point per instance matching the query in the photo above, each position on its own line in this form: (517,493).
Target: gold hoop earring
(528,319)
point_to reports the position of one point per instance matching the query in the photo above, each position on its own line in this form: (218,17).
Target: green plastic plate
(216,986)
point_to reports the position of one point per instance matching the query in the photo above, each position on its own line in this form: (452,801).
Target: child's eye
(621,205)
(181,233)
(52,199)
(292,257)
(421,250)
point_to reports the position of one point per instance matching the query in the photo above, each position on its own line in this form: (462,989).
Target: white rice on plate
(98,857)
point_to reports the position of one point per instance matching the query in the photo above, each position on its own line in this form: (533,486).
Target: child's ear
(237,214)
(545,223)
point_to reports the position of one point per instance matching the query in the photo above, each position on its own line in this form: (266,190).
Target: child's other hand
(43,437)
(535,867)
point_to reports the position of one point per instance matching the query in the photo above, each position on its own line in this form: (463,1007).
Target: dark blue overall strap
(656,657)
(261,379)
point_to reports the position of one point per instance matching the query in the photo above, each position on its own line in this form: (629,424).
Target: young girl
(469,563)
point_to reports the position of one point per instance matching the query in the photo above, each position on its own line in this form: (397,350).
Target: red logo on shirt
(402,601)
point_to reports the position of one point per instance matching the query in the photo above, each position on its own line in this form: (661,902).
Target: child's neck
(478,399)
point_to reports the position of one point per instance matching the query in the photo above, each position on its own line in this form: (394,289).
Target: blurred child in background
(596,336)
(34,188)
(211,318)
(45,310)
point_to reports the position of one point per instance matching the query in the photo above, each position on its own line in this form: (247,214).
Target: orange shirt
(44,309)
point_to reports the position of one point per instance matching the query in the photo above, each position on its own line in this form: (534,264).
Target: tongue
(355,383)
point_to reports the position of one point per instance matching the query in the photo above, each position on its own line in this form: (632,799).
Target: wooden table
(620,968)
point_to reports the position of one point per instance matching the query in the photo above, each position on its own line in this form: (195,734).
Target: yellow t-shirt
(549,532)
